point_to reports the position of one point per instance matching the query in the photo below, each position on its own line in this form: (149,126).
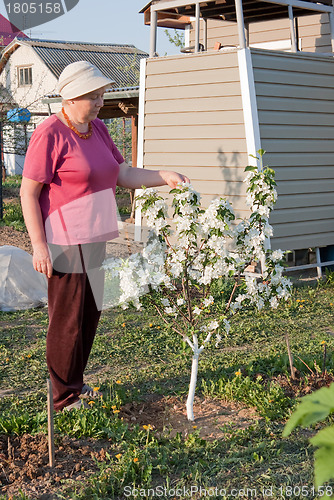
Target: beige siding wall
(295,98)
(314,33)
(194,122)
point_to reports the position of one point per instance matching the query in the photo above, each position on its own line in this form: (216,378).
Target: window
(25,76)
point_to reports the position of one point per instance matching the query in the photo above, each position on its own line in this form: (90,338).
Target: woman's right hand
(41,259)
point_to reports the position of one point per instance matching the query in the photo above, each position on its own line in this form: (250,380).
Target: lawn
(111,451)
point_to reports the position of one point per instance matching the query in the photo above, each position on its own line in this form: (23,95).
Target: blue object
(18,115)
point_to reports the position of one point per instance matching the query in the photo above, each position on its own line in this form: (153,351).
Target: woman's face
(86,107)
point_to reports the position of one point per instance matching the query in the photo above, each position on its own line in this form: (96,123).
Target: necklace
(76,131)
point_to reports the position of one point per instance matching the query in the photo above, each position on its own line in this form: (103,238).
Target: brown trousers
(75,291)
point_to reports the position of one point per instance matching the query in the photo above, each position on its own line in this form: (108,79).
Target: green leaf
(325,437)
(261,152)
(312,408)
(323,465)
(250,168)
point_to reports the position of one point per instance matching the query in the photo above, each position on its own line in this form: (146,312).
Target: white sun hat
(80,78)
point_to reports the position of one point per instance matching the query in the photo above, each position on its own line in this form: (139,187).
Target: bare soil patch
(303,385)
(10,236)
(213,418)
(24,464)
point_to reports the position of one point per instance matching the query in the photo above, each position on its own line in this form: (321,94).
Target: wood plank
(220,159)
(306,187)
(191,62)
(195,132)
(210,173)
(296,132)
(299,159)
(302,214)
(195,146)
(302,200)
(277,89)
(302,145)
(290,62)
(302,241)
(296,118)
(173,91)
(303,228)
(292,105)
(303,173)
(204,118)
(317,80)
(195,105)
(212,75)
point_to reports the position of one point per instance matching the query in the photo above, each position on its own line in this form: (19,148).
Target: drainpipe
(153,40)
(241,24)
(294,47)
(197,14)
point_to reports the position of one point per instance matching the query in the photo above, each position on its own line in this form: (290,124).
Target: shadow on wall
(232,167)
(323,42)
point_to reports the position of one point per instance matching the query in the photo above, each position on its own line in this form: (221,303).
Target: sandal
(89,392)
(77,405)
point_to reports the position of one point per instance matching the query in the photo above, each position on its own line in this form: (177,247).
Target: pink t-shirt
(79,176)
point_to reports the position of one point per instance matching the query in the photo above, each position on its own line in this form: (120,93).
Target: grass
(12,212)
(134,355)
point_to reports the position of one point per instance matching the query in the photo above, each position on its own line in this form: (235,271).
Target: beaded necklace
(76,131)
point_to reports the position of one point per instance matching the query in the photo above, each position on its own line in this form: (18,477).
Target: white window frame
(26,72)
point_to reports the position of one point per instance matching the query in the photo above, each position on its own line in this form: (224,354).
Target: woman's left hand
(172,179)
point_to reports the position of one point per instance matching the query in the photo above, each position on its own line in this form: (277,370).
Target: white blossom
(208,301)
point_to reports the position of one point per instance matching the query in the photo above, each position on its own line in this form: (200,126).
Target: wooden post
(197,26)
(205,34)
(134,136)
(50,425)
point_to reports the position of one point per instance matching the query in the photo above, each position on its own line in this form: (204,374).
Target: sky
(110,21)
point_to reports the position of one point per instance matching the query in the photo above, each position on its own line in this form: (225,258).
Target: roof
(120,63)
(118,102)
(8,31)
(253,10)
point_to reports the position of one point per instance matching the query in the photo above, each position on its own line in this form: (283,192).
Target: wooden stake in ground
(50,425)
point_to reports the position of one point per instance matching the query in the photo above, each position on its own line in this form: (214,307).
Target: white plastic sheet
(21,287)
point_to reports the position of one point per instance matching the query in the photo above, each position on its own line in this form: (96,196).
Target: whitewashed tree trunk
(193,380)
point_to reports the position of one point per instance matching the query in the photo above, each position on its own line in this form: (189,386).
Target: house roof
(120,63)
(253,10)
(118,102)
(8,31)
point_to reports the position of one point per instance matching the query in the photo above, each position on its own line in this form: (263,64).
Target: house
(29,70)
(204,112)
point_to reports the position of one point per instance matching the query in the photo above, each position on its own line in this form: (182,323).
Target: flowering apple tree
(184,257)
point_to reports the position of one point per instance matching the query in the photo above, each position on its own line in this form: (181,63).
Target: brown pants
(73,316)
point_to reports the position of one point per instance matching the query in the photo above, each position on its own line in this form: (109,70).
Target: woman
(69,179)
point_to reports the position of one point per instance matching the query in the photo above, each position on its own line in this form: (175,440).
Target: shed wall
(194,123)
(314,33)
(295,99)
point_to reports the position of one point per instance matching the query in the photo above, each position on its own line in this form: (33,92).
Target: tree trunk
(192,386)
